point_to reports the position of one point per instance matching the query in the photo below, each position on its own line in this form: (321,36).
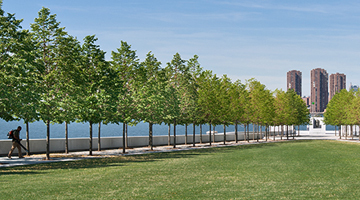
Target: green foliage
(239,102)
(282,108)
(341,110)
(92,83)
(52,49)
(299,113)
(125,63)
(18,76)
(190,91)
(46,74)
(67,86)
(150,91)
(224,98)
(290,109)
(47,37)
(353,113)
(261,103)
(209,86)
(180,79)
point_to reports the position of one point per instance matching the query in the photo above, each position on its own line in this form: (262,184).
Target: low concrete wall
(80,144)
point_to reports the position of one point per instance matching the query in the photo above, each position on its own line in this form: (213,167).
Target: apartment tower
(319,90)
(337,83)
(294,81)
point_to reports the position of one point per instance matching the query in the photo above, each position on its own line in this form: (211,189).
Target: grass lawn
(288,170)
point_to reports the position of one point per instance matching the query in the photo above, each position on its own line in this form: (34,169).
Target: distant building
(354,87)
(294,81)
(337,83)
(306,100)
(319,90)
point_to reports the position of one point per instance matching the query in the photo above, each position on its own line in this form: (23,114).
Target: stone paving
(72,156)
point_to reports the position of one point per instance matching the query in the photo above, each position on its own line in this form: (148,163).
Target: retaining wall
(80,144)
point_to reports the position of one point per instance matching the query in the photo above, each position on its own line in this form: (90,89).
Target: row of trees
(47,74)
(343,109)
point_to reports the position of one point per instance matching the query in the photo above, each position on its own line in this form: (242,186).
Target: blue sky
(244,39)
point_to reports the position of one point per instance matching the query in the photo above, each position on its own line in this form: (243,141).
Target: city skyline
(340,76)
(323,87)
(247,39)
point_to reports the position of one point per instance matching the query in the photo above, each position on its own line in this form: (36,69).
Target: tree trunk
(253,133)
(340,131)
(66,138)
(200,134)
(355,130)
(236,133)
(27,139)
(47,139)
(126,135)
(214,133)
(150,136)
(169,141)
(293,132)
(335,130)
(90,141)
(287,132)
(248,132)
(275,132)
(99,133)
(351,132)
(244,132)
(282,132)
(174,133)
(193,134)
(224,134)
(123,139)
(210,133)
(257,133)
(266,133)
(185,134)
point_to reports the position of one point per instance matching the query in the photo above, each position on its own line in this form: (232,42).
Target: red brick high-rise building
(307,101)
(319,90)
(337,83)
(294,81)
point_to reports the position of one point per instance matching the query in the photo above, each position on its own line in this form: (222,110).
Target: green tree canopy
(47,37)
(337,109)
(18,74)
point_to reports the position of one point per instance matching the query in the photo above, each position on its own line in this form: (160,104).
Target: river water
(37,130)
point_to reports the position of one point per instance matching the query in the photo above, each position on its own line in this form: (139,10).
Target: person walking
(15,142)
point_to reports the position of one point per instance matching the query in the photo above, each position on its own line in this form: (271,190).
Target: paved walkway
(72,156)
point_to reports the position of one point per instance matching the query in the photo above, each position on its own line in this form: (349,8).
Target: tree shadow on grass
(18,173)
(119,161)
(85,163)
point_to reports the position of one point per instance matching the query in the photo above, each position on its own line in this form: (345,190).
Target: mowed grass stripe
(297,169)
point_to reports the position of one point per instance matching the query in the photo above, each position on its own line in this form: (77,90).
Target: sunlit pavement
(72,156)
